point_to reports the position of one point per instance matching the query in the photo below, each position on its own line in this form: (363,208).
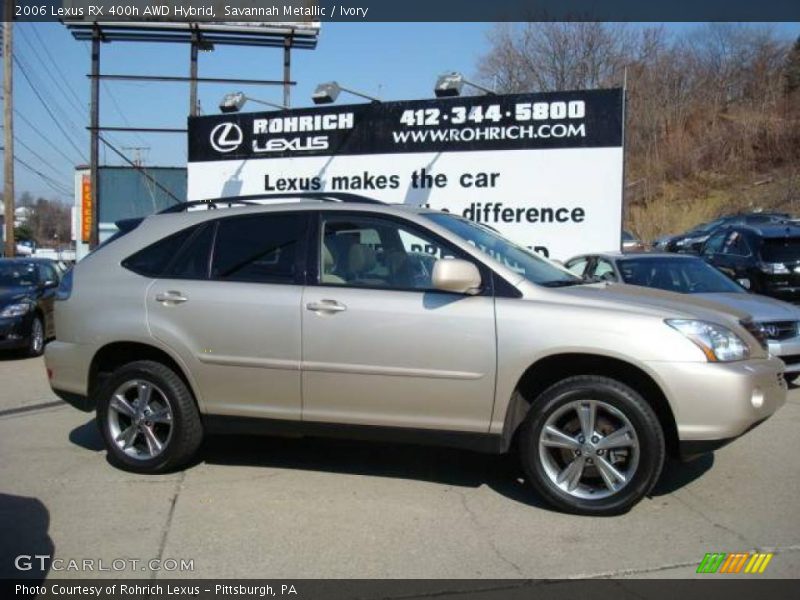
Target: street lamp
(450,84)
(234,102)
(327,93)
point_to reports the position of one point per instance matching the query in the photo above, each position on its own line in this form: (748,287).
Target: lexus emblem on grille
(226,137)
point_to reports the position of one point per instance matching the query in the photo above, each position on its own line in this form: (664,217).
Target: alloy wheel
(589,449)
(140,419)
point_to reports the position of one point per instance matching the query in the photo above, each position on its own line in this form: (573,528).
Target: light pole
(327,93)
(450,84)
(234,102)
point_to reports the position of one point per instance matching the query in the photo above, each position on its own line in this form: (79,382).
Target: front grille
(756,331)
(779,330)
(790,360)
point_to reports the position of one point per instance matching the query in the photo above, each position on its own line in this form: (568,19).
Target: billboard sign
(543,169)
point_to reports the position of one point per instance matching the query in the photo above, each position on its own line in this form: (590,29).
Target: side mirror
(50,283)
(456,275)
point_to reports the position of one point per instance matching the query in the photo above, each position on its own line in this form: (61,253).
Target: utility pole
(8,125)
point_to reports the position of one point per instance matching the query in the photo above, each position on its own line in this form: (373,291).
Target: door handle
(326,306)
(171,297)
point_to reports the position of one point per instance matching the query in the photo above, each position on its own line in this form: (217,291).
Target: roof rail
(252,199)
(210,204)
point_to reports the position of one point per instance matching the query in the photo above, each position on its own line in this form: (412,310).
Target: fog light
(757,400)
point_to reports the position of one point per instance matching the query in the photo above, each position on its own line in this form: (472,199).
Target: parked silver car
(319,318)
(686,274)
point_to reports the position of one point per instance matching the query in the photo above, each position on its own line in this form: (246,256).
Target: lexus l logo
(226,137)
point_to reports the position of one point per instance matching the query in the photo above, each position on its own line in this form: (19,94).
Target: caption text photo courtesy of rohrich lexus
(357,300)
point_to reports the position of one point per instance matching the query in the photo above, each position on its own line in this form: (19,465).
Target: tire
(36,339)
(170,414)
(617,407)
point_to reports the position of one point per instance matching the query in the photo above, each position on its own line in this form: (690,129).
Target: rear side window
(260,248)
(153,260)
(193,260)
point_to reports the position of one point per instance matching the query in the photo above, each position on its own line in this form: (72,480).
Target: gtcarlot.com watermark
(45,562)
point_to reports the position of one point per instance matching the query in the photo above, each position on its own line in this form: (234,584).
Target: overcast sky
(392,60)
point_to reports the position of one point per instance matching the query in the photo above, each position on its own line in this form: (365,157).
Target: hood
(14,294)
(650,301)
(762,308)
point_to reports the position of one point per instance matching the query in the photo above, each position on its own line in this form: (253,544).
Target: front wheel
(592,445)
(148,418)
(36,339)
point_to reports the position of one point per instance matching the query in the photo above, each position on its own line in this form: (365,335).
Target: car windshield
(17,274)
(682,275)
(781,250)
(531,266)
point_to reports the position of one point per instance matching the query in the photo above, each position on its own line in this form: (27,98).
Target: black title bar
(407,10)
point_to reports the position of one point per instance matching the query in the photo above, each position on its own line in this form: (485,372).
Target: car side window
(736,245)
(377,253)
(604,270)
(47,273)
(261,248)
(714,243)
(153,260)
(577,266)
(192,262)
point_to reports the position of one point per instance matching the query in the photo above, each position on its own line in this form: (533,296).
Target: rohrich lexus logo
(226,137)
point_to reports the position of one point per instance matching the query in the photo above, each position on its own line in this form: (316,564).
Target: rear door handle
(326,306)
(171,297)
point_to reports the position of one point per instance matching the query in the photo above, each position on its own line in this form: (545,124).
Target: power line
(35,128)
(36,154)
(52,100)
(47,108)
(51,183)
(67,84)
(140,169)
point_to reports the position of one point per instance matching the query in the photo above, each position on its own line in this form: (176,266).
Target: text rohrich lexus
(390,323)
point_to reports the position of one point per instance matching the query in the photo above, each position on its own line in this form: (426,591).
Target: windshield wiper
(562,283)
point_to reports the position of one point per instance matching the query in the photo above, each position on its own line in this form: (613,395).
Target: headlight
(15,310)
(718,343)
(774,268)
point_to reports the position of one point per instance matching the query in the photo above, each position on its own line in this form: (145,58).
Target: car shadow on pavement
(24,523)
(677,474)
(448,466)
(87,436)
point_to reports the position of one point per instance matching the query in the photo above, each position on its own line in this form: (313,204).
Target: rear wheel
(148,418)
(592,445)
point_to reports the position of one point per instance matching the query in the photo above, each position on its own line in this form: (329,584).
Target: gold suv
(393,323)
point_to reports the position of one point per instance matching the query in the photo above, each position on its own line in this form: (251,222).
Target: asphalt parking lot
(291,508)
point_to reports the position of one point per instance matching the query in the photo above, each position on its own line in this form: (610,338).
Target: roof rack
(251,200)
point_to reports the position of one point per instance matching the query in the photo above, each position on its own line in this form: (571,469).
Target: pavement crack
(168,525)
(487,535)
(708,519)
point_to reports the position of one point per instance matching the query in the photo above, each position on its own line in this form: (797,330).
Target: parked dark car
(764,259)
(27,290)
(692,241)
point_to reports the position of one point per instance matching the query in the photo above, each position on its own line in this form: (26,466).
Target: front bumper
(714,403)
(14,332)
(788,351)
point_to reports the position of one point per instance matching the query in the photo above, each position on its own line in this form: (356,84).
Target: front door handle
(171,297)
(331,306)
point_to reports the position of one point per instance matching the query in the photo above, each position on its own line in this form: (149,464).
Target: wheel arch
(551,369)
(115,354)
